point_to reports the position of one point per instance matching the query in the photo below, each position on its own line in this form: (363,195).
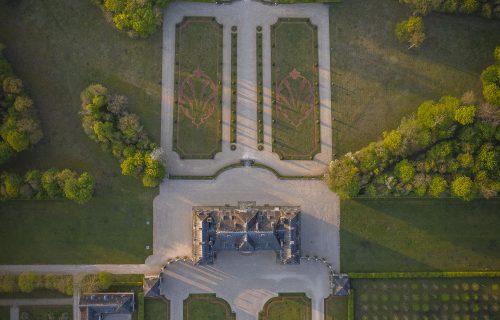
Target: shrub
(342,177)
(469,6)
(392,140)
(437,186)
(79,189)
(12,184)
(405,171)
(465,115)
(8,283)
(105,280)
(28,281)
(411,31)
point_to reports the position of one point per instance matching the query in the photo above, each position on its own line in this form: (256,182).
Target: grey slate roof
(341,285)
(246,228)
(100,306)
(151,287)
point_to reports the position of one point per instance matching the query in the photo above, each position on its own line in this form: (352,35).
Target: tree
(463,187)
(437,186)
(487,157)
(28,281)
(18,141)
(50,183)
(23,103)
(392,140)
(133,166)
(405,171)
(79,190)
(465,115)
(8,283)
(12,85)
(6,152)
(343,178)
(12,185)
(411,31)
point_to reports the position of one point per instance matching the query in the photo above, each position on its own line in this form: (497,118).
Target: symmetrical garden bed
(290,306)
(207,307)
(464,298)
(295,97)
(198,88)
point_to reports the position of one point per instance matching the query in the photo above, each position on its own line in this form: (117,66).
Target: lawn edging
(418,275)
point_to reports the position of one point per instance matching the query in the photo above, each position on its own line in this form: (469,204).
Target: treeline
(19,124)
(137,17)
(411,31)
(29,281)
(106,120)
(49,184)
(102,281)
(450,147)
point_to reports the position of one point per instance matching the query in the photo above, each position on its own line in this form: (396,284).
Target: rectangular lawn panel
(4,312)
(465,298)
(206,307)
(46,312)
(336,308)
(156,309)
(289,306)
(295,96)
(380,235)
(198,88)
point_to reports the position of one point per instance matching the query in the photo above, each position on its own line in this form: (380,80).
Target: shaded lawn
(198,134)
(206,310)
(156,309)
(380,235)
(287,307)
(58,48)
(35,294)
(336,308)
(43,312)
(4,313)
(295,131)
(467,298)
(377,81)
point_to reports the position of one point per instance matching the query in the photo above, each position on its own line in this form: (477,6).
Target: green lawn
(287,306)
(58,48)
(336,308)
(35,294)
(294,58)
(377,81)
(465,298)
(419,235)
(4,313)
(156,309)
(198,90)
(206,307)
(46,312)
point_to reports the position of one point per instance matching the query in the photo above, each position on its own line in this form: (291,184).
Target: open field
(4,313)
(419,235)
(206,307)
(198,88)
(46,312)
(294,60)
(289,306)
(156,309)
(336,308)
(466,298)
(58,48)
(377,81)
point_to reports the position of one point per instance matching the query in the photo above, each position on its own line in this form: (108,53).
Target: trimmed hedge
(431,274)
(260,89)
(234,82)
(140,306)
(350,305)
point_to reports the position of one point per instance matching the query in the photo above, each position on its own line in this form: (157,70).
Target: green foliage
(343,178)
(140,306)
(8,283)
(105,280)
(405,171)
(392,140)
(106,120)
(465,115)
(469,6)
(28,281)
(79,189)
(411,31)
(487,157)
(490,79)
(12,184)
(463,187)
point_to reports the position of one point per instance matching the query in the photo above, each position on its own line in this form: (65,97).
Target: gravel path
(247,15)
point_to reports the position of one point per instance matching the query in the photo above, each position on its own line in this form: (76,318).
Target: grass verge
(290,306)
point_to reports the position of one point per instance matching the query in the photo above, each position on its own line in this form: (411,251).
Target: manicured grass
(198,90)
(336,308)
(4,313)
(156,309)
(207,307)
(58,48)
(467,298)
(380,235)
(289,306)
(260,90)
(46,312)
(295,105)
(377,81)
(35,294)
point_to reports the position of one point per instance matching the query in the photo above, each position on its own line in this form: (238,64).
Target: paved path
(247,15)
(36,302)
(14,313)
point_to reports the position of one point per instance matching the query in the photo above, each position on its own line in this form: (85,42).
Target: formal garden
(295,95)
(46,312)
(206,307)
(197,108)
(290,306)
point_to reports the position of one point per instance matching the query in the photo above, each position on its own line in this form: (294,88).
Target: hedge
(140,306)
(432,274)
(350,305)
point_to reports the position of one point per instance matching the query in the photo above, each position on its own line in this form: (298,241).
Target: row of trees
(50,184)
(29,281)
(448,147)
(411,31)
(138,17)
(107,121)
(19,124)
(491,81)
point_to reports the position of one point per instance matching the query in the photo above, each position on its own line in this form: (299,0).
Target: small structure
(107,306)
(151,286)
(341,285)
(246,228)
